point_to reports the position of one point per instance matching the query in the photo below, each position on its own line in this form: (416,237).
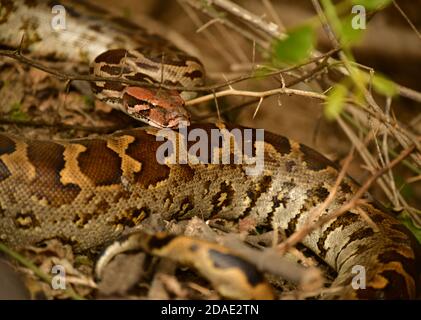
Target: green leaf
(335,101)
(331,15)
(350,35)
(384,86)
(372,4)
(405,218)
(295,48)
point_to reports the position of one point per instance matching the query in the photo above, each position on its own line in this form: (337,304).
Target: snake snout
(177,119)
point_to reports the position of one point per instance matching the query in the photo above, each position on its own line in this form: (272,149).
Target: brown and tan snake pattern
(87,191)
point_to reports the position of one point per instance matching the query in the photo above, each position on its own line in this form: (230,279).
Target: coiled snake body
(87,191)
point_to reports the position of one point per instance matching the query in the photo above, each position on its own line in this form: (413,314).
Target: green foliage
(331,14)
(295,48)
(405,218)
(348,34)
(335,101)
(349,30)
(372,4)
(384,86)
(343,27)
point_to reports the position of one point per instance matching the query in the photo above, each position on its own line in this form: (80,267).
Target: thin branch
(272,12)
(36,270)
(16,55)
(293,82)
(270,28)
(352,203)
(318,211)
(405,138)
(266,260)
(222,50)
(402,90)
(409,93)
(260,94)
(62,126)
(407,19)
(213,14)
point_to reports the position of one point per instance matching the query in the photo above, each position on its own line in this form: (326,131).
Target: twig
(16,55)
(353,202)
(318,211)
(266,260)
(271,262)
(409,93)
(326,26)
(293,82)
(407,19)
(403,91)
(371,163)
(332,193)
(385,147)
(272,12)
(37,271)
(270,28)
(404,138)
(61,126)
(261,94)
(202,27)
(364,154)
(215,15)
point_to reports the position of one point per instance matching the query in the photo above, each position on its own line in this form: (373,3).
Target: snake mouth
(158,116)
(178,122)
(172,123)
(158,108)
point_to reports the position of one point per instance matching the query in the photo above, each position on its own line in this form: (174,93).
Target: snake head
(157,107)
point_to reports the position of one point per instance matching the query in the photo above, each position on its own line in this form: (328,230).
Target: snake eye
(132,101)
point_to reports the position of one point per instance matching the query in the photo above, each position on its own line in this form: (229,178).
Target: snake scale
(87,191)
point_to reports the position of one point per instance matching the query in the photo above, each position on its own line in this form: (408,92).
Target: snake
(88,192)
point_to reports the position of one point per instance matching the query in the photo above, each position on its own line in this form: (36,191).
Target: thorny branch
(403,91)
(261,94)
(404,137)
(16,55)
